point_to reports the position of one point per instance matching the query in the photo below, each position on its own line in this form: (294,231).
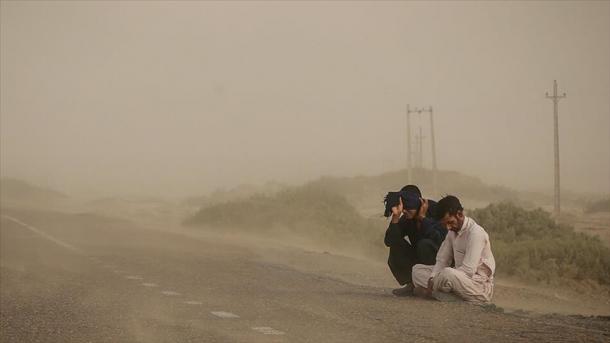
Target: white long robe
(472,277)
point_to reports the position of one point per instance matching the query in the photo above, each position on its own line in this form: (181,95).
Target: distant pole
(555,98)
(409,152)
(433,143)
(420,149)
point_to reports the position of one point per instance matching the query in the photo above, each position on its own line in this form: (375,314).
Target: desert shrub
(309,211)
(527,244)
(530,245)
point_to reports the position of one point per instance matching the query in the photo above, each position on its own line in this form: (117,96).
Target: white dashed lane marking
(222,314)
(267,330)
(44,234)
(193,302)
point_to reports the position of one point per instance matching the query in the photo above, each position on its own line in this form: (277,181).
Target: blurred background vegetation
(344,215)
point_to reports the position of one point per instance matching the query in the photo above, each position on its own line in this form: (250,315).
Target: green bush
(529,245)
(309,211)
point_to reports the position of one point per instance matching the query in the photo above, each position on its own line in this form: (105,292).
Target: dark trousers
(404,256)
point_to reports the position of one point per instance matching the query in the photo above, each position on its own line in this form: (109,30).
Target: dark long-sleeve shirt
(428,229)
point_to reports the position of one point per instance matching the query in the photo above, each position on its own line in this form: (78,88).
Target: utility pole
(409,152)
(433,143)
(555,98)
(419,160)
(419,144)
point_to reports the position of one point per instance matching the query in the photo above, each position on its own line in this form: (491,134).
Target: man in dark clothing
(412,220)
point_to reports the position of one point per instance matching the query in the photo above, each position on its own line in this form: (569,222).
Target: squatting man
(413,235)
(464,267)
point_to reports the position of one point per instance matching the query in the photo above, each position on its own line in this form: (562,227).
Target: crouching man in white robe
(468,245)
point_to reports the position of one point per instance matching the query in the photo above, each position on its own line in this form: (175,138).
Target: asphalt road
(85,278)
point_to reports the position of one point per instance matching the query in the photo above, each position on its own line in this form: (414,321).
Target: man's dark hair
(393,198)
(449,204)
(411,189)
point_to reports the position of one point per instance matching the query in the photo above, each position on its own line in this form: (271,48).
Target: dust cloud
(274,129)
(182,98)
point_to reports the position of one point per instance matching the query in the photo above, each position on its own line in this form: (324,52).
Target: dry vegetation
(527,243)
(309,212)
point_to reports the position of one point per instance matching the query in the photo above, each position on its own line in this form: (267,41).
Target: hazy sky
(181,98)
